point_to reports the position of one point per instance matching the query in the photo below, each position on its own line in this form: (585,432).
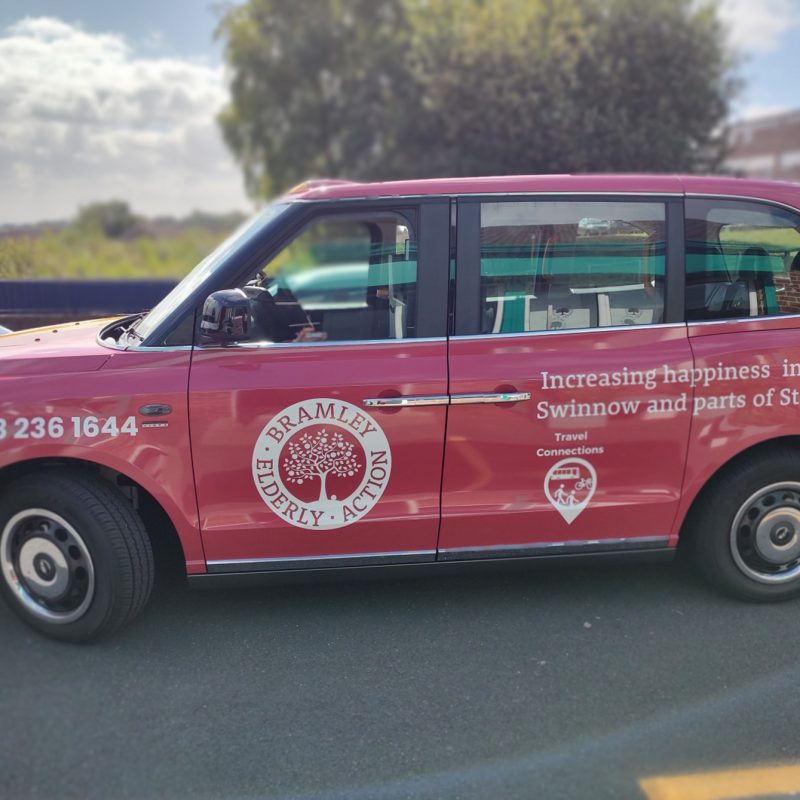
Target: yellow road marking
(731,785)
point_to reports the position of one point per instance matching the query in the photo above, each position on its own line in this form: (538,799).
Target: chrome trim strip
(406,402)
(565,331)
(489,397)
(553,548)
(320,562)
(112,345)
(344,343)
(741,320)
(175,348)
(264,345)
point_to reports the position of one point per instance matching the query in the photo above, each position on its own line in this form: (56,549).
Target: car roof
(778,191)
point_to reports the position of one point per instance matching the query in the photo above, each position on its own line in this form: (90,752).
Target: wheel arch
(757,450)
(168,544)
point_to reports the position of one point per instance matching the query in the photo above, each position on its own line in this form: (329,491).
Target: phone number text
(59,427)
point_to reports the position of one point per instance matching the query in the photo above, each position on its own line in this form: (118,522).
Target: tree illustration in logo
(317,455)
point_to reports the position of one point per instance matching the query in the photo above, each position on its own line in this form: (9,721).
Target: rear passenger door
(569,417)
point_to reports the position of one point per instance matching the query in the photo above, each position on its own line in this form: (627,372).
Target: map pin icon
(570,485)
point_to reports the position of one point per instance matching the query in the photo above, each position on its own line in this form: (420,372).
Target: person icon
(561,496)
(571,500)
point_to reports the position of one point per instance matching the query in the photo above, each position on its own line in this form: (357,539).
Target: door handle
(489,397)
(407,402)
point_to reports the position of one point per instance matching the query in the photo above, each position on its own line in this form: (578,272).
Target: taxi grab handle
(404,402)
(447,400)
(489,397)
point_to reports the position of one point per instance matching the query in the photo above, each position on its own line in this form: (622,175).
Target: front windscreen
(206,269)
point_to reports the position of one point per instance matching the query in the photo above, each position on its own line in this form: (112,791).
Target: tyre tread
(123,528)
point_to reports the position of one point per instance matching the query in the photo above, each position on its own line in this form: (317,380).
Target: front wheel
(746,533)
(75,558)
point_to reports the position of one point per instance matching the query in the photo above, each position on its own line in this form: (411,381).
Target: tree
(372,89)
(114,218)
(314,457)
(315,93)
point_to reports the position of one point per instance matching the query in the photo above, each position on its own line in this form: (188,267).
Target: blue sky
(109,99)
(166,27)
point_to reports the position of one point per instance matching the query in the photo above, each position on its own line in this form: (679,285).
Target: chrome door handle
(407,402)
(489,397)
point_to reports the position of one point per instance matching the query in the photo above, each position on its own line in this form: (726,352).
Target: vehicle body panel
(498,456)
(234,394)
(718,435)
(85,385)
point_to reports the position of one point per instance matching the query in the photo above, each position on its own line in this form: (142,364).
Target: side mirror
(226,317)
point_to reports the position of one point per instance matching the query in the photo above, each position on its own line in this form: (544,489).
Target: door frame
(431,216)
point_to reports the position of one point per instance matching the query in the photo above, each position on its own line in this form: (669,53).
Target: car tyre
(76,560)
(745,534)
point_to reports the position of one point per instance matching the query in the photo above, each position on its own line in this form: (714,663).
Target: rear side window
(742,260)
(556,265)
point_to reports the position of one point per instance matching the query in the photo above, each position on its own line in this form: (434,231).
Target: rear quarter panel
(732,413)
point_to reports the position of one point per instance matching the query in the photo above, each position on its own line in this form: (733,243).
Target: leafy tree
(317,89)
(114,218)
(372,89)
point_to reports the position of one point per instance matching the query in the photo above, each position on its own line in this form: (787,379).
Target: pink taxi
(423,375)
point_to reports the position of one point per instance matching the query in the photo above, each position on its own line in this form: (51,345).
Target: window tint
(554,265)
(741,260)
(343,278)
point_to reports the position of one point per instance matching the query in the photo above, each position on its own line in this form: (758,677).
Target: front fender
(181,512)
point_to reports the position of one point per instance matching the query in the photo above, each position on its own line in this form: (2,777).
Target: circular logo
(44,566)
(321,464)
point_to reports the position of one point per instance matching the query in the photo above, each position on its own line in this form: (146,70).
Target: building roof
(767,147)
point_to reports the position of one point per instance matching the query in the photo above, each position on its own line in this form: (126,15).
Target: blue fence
(28,303)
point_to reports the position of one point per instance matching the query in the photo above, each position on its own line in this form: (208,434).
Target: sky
(102,99)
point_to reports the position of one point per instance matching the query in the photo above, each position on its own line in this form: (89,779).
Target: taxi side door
(569,418)
(318,440)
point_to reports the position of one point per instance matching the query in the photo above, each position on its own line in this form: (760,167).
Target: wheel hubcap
(765,536)
(47,565)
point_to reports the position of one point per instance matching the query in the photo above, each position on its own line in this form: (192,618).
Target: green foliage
(114,218)
(373,89)
(317,90)
(17,258)
(76,252)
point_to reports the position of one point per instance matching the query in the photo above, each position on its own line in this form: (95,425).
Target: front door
(571,395)
(319,440)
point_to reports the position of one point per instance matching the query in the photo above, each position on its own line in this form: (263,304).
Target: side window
(343,278)
(554,265)
(742,260)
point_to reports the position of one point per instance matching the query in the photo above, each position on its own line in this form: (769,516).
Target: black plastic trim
(416,570)
(433,270)
(675,284)
(468,266)
(325,562)
(554,548)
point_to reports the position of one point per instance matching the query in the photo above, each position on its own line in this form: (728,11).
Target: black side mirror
(226,317)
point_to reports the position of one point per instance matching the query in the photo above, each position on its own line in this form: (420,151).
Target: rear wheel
(746,534)
(75,558)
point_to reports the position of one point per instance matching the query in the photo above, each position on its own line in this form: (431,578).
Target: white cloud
(759,110)
(85,118)
(760,26)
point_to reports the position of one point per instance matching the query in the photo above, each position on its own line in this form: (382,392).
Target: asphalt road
(561,684)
